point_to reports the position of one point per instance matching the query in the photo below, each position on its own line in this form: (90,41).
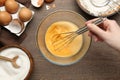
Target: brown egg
(5,18)
(49,1)
(2,2)
(25,14)
(11,6)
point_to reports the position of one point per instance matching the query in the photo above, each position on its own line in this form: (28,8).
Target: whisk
(62,40)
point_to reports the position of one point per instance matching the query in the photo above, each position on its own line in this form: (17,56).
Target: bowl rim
(40,50)
(27,53)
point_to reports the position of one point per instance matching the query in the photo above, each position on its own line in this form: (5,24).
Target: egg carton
(15,16)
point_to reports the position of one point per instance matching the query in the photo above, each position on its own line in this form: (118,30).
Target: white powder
(99,6)
(7,71)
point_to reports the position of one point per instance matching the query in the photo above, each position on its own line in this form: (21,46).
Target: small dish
(97,8)
(12,50)
(55,17)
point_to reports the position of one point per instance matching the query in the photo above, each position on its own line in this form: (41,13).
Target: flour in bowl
(100,7)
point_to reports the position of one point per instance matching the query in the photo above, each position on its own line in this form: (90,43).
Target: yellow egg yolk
(53,35)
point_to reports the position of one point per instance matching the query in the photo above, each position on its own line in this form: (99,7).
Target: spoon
(13,60)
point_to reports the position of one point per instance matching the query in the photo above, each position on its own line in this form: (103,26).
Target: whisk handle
(84,29)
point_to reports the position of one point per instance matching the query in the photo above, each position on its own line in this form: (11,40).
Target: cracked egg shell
(37,3)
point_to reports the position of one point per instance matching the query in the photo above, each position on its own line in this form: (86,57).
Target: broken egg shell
(37,3)
(16,26)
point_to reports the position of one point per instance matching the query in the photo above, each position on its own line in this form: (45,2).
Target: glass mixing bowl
(56,16)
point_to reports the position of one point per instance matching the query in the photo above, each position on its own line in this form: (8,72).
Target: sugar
(7,71)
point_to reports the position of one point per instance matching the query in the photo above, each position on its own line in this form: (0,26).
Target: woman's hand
(108,31)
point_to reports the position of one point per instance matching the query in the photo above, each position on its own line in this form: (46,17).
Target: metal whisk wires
(62,40)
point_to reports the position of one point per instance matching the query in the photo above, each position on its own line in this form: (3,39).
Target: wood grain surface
(100,63)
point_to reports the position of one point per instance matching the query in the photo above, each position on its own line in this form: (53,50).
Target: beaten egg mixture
(62,27)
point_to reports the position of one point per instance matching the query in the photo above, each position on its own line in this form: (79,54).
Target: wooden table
(100,63)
